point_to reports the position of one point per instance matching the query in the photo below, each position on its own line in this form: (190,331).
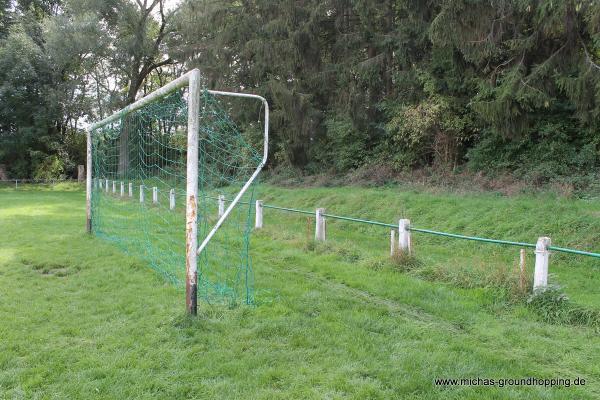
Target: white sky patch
(171,5)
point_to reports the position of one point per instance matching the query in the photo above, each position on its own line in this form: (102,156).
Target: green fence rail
(474,238)
(362,221)
(437,233)
(574,251)
(293,210)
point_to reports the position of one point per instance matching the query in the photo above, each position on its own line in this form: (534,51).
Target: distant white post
(258,220)
(114,187)
(542,259)
(130,189)
(141,193)
(155,195)
(122,189)
(404,244)
(106,182)
(221,205)
(320,227)
(393,246)
(172,199)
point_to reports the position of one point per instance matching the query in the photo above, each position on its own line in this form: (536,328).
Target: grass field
(79,319)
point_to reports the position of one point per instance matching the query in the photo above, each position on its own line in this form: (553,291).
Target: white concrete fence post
(404,243)
(221,205)
(122,189)
(106,186)
(130,189)
(141,193)
(172,199)
(154,195)
(114,187)
(542,259)
(320,225)
(393,246)
(258,220)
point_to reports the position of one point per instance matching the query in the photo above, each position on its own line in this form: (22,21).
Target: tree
(124,45)
(442,84)
(36,129)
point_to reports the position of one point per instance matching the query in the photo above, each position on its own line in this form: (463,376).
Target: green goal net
(138,198)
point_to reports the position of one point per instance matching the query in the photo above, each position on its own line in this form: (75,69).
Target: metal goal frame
(192,80)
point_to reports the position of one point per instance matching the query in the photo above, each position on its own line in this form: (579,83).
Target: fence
(18,182)
(404,241)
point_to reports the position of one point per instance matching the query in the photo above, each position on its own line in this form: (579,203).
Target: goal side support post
(254,175)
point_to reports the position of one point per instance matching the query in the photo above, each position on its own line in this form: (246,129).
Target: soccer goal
(170,180)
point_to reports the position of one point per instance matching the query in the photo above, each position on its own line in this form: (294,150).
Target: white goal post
(192,80)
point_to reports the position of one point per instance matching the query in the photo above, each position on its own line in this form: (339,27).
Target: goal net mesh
(139,192)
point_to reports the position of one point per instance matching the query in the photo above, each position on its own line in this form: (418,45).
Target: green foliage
(344,147)
(555,147)
(430,132)
(412,84)
(51,167)
(551,302)
(39,106)
(493,86)
(65,63)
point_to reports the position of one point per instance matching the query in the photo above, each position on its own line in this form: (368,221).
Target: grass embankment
(82,320)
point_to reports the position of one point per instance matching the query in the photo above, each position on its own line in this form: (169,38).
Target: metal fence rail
(437,233)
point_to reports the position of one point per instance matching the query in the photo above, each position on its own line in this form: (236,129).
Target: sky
(171,4)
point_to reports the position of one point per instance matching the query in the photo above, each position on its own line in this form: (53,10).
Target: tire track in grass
(408,312)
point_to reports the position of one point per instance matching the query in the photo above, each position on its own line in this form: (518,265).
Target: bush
(345,146)
(554,306)
(550,303)
(431,132)
(551,148)
(402,261)
(51,167)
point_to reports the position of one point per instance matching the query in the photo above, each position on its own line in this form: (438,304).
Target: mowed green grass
(80,319)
